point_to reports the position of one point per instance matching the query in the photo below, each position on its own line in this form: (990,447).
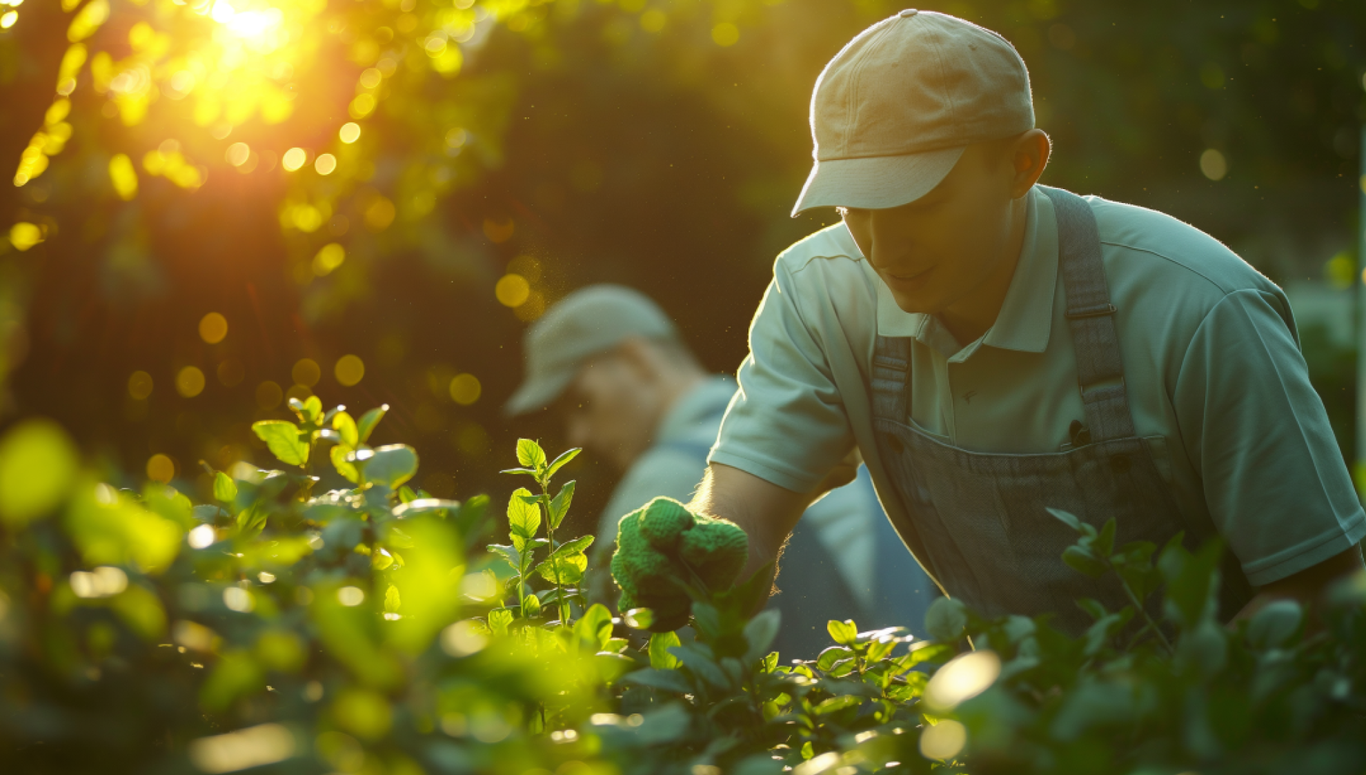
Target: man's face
(609,409)
(936,251)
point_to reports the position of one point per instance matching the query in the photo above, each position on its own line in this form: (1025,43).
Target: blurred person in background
(614,368)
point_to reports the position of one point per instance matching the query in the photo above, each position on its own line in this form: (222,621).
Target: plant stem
(550,534)
(1141,610)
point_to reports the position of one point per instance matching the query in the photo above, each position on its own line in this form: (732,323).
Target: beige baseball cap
(588,321)
(895,109)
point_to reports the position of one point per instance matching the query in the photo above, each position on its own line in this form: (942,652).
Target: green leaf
(561,461)
(559,505)
(499,619)
(391,600)
(1067,518)
(224,488)
(1105,542)
(37,465)
(412,508)
(1084,560)
(659,678)
(524,519)
(660,643)
(1274,624)
(595,626)
(831,656)
(760,632)
(530,454)
(639,618)
(344,468)
(406,494)
(369,420)
(391,465)
(520,471)
(508,553)
(946,620)
(838,703)
(284,440)
(251,521)
(531,607)
(700,665)
(561,568)
(346,429)
(313,409)
(844,633)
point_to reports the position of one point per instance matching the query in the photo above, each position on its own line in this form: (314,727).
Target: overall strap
(891,383)
(1091,317)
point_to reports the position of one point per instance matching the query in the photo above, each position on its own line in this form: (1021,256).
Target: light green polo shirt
(1216,380)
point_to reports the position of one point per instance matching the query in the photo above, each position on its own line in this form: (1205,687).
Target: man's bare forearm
(766,512)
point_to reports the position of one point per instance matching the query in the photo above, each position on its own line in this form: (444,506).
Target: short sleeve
(786,423)
(1275,482)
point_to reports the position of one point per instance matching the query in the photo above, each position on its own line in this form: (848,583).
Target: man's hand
(662,545)
(766,512)
(1307,586)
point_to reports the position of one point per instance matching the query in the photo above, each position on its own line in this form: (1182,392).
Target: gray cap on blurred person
(895,109)
(586,322)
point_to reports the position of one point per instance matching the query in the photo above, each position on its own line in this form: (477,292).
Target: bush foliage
(367,630)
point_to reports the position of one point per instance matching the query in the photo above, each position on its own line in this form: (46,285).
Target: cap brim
(537,393)
(875,183)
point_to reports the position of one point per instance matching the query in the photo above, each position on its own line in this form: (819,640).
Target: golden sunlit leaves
(349,370)
(189,382)
(166,161)
(349,133)
(140,385)
(329,257)
(94,14)
(24,235)
(213,327)
(306,372)
(512,290)
(160,468)
(123,176)
(293,159)
(465,389)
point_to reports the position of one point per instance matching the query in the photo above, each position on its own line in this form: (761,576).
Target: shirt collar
(1026,317)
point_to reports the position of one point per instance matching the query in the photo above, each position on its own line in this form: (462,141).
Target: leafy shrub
(366,630)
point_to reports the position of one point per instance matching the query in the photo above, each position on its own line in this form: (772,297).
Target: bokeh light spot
(329,257)
(326,164)
(123,176)
(238,153)
(512,290)
(362,106)
(463,638)
(944,740)
(532,308)
(294,158)
(963,678)
(653,20)
(457,137)
(231,373)
(725,34)
(370,79)
(160,468)
(238,599)
(1213,164)
(350,369)
(140,385)
(213,327)
(465,389)
(202,536)
(306,372)
(350,132)
(380,214)
(24,235)
(269,395)
(351,596)
(499,231)
(189,382)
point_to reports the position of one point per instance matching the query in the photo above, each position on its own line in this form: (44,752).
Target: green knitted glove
(663,541)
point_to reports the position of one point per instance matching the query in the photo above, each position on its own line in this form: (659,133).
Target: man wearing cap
(994,348)
(614,367)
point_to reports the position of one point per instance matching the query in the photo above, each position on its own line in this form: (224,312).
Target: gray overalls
(978,522)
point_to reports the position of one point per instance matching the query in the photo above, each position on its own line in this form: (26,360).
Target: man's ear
(1029,156)
(639,355)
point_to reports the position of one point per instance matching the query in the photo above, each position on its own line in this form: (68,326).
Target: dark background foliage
(598,151)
